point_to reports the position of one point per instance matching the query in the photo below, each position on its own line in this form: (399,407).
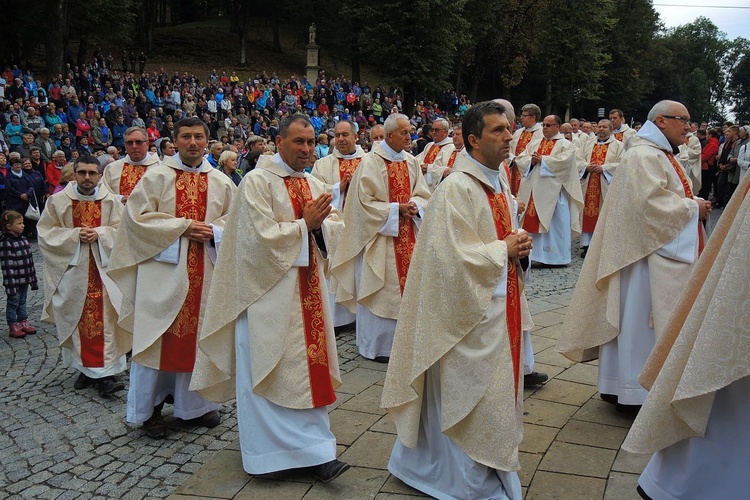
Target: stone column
(312,63)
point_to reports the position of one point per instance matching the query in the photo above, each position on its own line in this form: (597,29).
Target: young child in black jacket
(18,272)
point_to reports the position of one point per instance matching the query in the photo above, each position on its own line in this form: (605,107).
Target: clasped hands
(408,210)
(315,212)
(88,235)
(519,244)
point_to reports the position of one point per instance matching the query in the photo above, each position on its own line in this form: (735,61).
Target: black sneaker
(82,382)
(329,471)
(108,386)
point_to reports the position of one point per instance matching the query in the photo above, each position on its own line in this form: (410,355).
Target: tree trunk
(474,90)
(548,98)
(162,13)
(83,47)
(275,28)
(55,39)
(147,20)
(410,95)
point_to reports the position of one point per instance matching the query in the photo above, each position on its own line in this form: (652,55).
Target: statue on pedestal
(312,30)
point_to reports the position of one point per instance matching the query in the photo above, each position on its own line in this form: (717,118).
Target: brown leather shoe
(210,419)
(154,427)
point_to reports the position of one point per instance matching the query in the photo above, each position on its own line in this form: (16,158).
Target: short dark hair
(617,112)
(86,159)
(473,121)
(190,121)
(287,121)
(8,218)
(163,144)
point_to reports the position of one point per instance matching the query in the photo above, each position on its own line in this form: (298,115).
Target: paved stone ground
(56,442)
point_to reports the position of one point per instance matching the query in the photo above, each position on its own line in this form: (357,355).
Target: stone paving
(56,442)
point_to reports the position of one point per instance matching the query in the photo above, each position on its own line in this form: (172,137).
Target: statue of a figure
(312,33)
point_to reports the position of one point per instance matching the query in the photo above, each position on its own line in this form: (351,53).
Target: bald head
(510,112)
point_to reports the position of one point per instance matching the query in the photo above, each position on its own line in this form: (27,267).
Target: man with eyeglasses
(435,155)
(529,131)
(620,130)
(76,232)
(551,192)
(121,176)
(648,237)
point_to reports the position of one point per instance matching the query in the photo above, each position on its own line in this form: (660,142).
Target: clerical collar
(604,141)
(349,157)
(130,161)
(493,176)
(621,128)
(651,133)
(84,197)
(392,155)
(289,170)
(556,137)
(445,141)
(187,168)
(533,128)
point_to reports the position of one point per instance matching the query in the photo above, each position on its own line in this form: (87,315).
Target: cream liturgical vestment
(690,158)
(594,186)
(695,416)
(371,262)
(624,133)
(551,191)
(164,278)
(329,169)
(643,249)
(121,176)
(454,385)
(521,138)
(78,297)
(436,156)
(274,340)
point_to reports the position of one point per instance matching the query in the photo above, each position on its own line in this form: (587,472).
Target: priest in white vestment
(690,158)
(162,262)
(382,213)
(273,344)
(454,385)
(336,171)
(76,233)
(551,191)
(597,162)
(531,129)
(620,129)
(695,416)
(435,156)
(648,237)
(121,176)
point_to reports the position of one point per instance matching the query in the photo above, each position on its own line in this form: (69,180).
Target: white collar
(84,197)
(187,168)
(493,176)
(392,155)
(289,170)
(445,141)
(651,133)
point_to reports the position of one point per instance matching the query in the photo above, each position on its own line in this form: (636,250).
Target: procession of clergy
(223,292)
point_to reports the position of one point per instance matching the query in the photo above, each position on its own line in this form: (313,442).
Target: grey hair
(131,130)
(43,130)
(442,121)
(535,111)
(510,112)
(661,108)
(391,123)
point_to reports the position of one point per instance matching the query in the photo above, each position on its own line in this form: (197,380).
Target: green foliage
(103,21)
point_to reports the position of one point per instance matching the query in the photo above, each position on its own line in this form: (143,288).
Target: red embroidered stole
(593,198)
(452,158)
(506,167)
(619,136)
(130,176)
(523,140)
(429,158)
(178,343)
(531,218)
(399,191)
(311,298)
(91,324)
(347,167)
(688,194)
(503,225)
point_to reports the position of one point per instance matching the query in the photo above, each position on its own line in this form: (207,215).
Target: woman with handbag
(36,198)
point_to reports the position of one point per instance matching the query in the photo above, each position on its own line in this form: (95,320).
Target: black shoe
(534,379)
(82,382)
(154,427)
(329,471)
(642,493)
(609,398)
(210,419)
(382,359)
(108,386)
(627,409)
(584,252)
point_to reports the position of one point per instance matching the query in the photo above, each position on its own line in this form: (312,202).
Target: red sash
(91,324)
(503,225)
(311,299)
(531,217)
(129,177)
(593,198)
(619,136)
(399,191)
(429,158)
(179,342)
(523,140)
(688,194)
(452,158)
(347,167)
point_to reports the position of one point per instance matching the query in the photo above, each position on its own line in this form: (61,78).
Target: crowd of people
(311,205)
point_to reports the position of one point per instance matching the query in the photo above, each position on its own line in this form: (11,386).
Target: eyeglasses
(545,125)
(135,143)
(681,119)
